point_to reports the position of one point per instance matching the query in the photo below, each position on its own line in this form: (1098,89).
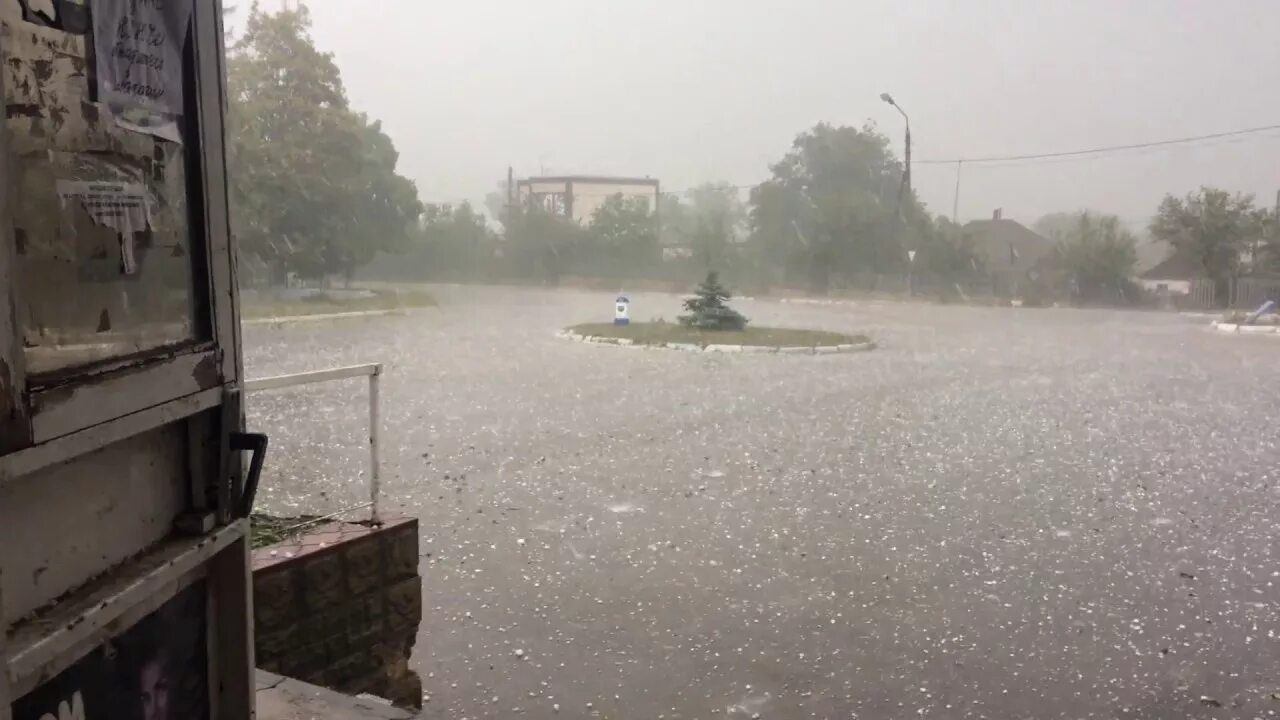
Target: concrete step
(282,698)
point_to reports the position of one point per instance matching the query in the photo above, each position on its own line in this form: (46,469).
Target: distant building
(578,196)
(1150,254)
(1175,275)
(1011,251)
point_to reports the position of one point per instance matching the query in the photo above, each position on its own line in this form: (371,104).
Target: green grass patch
(324,304)
(663,333)
(269,530)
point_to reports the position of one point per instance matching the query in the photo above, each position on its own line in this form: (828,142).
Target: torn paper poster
(138,47)
(42,11)
(158,125)
(44,69)
(70,16)
(123,207)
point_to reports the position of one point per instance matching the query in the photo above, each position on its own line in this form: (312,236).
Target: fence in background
(1201,296)
(1248,293)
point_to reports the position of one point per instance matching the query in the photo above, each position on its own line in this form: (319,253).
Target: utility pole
(906,178)
(511,188)
(955,205)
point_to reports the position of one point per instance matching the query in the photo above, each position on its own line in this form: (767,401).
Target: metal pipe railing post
(374,372)
(375,480)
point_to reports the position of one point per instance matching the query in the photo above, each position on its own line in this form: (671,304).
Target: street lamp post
(911,273)
(906,174)
(904,193)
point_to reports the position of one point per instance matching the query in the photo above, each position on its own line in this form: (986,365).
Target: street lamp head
(888,98)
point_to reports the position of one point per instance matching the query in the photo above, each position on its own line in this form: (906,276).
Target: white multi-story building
(579,196)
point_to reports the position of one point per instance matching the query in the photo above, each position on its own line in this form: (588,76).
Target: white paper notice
(157,125)
(138,47)
(123,207)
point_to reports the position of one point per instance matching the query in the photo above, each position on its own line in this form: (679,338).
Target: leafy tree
(711,241)
(945,255)
(1268,256)
(709,310)
(1211,226)
(1056,225)
(709,224)
(456,241)
(382,205)
(718,203)
(1094,259)
(831,207)
(313,184)
(543,245)
(718,217)
(625,236)
(677,221)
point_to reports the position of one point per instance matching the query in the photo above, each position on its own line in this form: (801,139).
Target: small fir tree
(708,309)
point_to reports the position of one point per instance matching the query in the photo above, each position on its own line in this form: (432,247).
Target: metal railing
(374,373)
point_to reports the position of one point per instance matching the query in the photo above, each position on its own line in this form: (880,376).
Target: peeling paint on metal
(206,373)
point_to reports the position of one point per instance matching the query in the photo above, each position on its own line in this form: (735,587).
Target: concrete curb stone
(741,349)
(1247,329)
(319,317)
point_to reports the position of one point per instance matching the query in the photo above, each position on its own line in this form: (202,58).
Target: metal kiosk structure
(124,570)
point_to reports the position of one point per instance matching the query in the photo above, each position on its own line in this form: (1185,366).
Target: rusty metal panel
(62,410)
(232,653)
(126,498)
(14,429)
(6,694)
(106,484)
(17,465)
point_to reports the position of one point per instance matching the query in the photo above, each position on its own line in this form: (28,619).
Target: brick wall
(340,608)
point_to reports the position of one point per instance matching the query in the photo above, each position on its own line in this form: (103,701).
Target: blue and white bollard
(622,311)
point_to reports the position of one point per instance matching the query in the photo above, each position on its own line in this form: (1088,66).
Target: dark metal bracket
(257,444)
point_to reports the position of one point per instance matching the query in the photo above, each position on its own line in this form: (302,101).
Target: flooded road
(998,514)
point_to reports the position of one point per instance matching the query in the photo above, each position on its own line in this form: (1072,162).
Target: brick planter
(340,608)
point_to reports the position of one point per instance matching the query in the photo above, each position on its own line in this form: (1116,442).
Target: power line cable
(1027,156)
(1100,150)
(1136,153)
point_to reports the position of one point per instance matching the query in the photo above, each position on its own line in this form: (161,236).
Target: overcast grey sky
(717,89)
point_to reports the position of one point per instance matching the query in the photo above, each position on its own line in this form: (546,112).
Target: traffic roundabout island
(673,336)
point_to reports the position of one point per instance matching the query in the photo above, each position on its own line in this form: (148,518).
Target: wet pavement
(998,514)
